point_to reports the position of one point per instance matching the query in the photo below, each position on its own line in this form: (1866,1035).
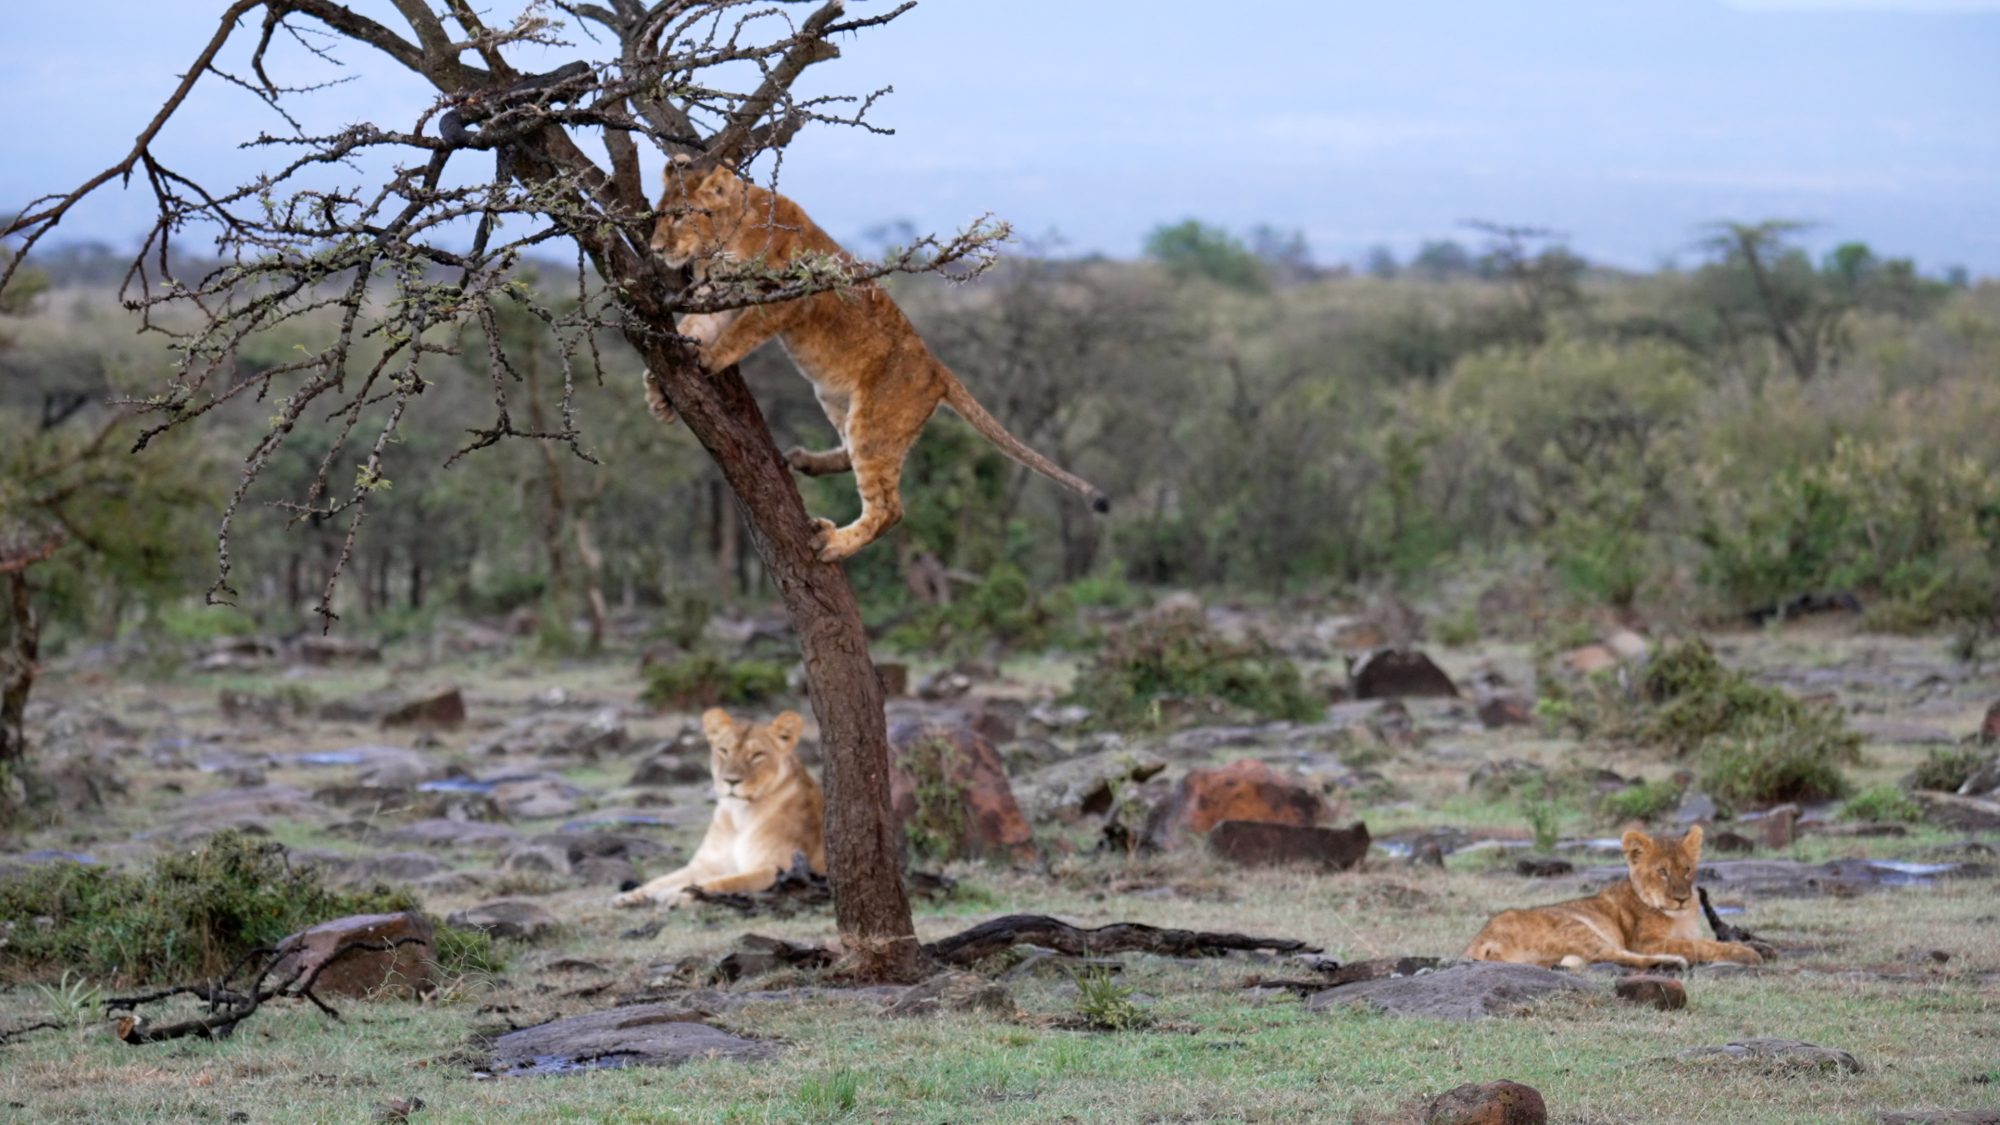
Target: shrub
(1771,763)
(936,827)
(1176,655)
(1881,802)
(1003,608)
(1103,1003)
(193,914)
(1945,770)
(706,680)
(1645,801)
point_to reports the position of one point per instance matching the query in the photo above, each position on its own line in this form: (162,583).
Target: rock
(366,799)
(1590,660)
(443,710)
(1469,990)
(404,969)
(1984,781)
(974,783)
(536,859)
(506,918)
(1502,776)
(1989,730)
(321,650)
(393,767)
(1938,1117)
(1396,673)
(1245,789)
(998,720)
(1778,827)
(1088,785)
(388,867)
(1496,711)
(1048,718)
(1626,645)
(1262,844)
(1728,843)
(634,1035)
(671,767)
(454,834)
(1487,1103)
(1543,866)
(943,685)
(1963,814)
(537,797)
(1775,1055)
(1696,807)
(1664,993)
(602,733)
(606,871)
(955,992)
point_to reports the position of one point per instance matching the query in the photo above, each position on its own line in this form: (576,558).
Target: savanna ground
(1857,972)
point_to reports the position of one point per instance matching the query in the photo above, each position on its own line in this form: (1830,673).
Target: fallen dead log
(11,1033)
(1724,931)
(1333,976)
(229,1006)
(988,938)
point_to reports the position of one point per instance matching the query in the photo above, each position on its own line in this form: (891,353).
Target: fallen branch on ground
(988,938)
(1726,932)
(229,1006)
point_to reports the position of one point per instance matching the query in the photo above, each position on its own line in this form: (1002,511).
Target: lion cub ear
(716,724)
(1691,843)
(787,727)
(1634,843)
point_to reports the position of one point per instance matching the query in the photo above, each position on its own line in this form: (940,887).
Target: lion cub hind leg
(877,442)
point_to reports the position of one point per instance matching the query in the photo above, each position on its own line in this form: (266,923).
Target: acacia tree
(409,255)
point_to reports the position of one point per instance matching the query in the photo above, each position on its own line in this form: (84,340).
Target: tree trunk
(18,666)
(863,861)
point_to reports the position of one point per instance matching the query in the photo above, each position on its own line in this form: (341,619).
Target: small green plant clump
(1945,770)
(1881,803)
(1544,816)
(1176,655)
(193,914)
(935,829)
(1004,609)
(1647,800)
(706,680)
(1103,1003)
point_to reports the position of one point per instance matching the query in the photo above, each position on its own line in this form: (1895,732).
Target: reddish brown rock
(445,709)
(1242,790)
(1506,711)
(1989,731)
(402,970)
(1261,844)
(1488,1103)
(992,825)
(1664,993)
(1590,659)
(1392,673)
(1777,828)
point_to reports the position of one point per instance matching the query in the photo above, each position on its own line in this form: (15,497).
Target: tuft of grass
(1176,655)
(1881,802)
(1544,816)
(72,1001)
(1945,770)
(1645,801)
(827,1097)
(706,680)
(1105,1004)
(193,914)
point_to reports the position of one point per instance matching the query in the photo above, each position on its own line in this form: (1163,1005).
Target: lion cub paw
(656,401)
(832,543)
(631,899)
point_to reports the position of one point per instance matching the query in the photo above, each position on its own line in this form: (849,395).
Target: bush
(1003,609)
(1945,770)
(1176,655)
(194,914)
(706,680)
(1645,801)
(936,827)
(1772,763)
(1881,802)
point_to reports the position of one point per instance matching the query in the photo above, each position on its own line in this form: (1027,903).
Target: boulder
(402,966)
(954,992)
(1664,993)
(1989,730)
(1777,1055)
(1496,711)
(1963,814)
(1396,673)
(1261,844)
(446,709)
(634,1035)
(1487,1103)
(1242,790)
(536,859)
(1778,827)
(454,834)
(506,918)
(1089,785)
(991,825)
(1469,990)
(1938,1117)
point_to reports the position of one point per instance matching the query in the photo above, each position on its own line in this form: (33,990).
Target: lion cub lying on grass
(768,809)
(1645,921)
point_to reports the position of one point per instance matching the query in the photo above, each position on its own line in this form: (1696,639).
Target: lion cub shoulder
(1650,918)
(768,811)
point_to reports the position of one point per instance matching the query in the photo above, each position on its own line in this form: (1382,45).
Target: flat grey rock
(638,1035)
(1468,990)
(1776,1054)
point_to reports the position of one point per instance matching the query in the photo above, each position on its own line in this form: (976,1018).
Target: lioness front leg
(1700,950)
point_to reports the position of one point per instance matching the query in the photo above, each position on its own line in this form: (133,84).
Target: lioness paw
(630,899)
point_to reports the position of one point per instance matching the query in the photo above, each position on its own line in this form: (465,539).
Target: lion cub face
(692,211)
(747,760)
(1662,868)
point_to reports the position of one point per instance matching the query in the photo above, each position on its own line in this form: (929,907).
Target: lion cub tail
(968,408)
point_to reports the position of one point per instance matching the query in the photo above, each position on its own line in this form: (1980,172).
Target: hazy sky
(1626,123)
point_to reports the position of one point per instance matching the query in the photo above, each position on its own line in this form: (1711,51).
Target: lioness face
(1662,868)
(691,212)
(746,759)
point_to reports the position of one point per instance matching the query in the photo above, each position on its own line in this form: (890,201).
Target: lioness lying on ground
(1647,920)
(768,809)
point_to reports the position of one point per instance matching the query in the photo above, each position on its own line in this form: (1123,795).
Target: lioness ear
(1634,842)
(1691,843)
(716,724)
(787,727)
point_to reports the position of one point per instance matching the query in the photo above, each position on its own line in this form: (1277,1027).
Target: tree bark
(864,863)
(19,664)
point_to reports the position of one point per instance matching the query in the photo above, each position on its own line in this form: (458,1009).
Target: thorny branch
(415,261)
(228,1005)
